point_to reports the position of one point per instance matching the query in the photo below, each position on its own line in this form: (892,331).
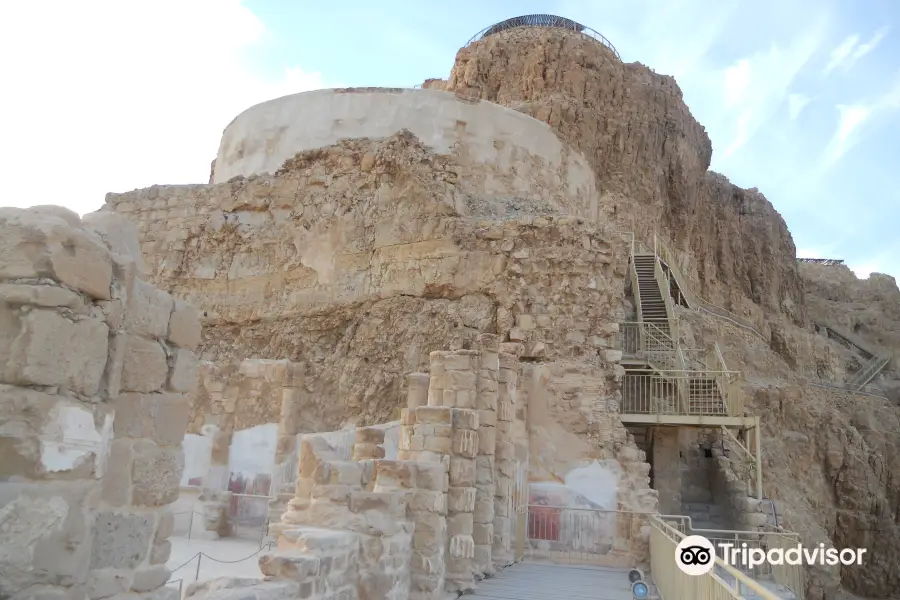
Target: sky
(801,99)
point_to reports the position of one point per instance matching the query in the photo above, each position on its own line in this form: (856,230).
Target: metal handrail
(544,20)
(673,584)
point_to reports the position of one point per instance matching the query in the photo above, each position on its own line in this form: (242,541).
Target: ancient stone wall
(94,366)
(312,268)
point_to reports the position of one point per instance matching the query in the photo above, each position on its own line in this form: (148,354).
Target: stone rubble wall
(311,264)
(95,364)
(418,527)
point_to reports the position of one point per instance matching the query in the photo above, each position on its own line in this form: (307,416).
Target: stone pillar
(486,399)
(504,519)
(417,395)
(94,365)
(667,469)
(453,385)
(286,450)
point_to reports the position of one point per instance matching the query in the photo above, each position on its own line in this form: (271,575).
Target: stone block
(459,380)
(461,398)
(293,567)
(35,245)
(160,552)
(184,328)
(430,533)
(156,474)
(369,435)
(120,540)
(483,533)
(461,360)
(505,451)
(314,539)
(461,499)
(434,415)
(439,444)
(183,371)
(484,510)
(162,418)
(487,440)
(367,451)
(462,471)
(464,443)
(465,419)
(103,583)
(148,311)
(150,578)
(117,478)
(487,418)
(460,523)
(396,473)
(165,527)
(42,347)
(484,468)
(613,356)
(144,366)
(47,296)
(432,477)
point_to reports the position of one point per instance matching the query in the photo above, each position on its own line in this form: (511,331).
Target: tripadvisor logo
(695,555)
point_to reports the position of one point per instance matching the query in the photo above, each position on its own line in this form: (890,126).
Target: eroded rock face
(649,155)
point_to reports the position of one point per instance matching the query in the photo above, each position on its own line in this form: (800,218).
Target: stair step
(703,507)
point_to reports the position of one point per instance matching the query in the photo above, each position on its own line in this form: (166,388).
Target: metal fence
(790,576)
(591,536)
(722,583)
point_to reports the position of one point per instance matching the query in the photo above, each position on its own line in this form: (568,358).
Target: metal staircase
(875,362)
(653,307)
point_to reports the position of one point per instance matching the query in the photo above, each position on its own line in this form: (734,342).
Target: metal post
(191,523)
(197,574)
(757,439)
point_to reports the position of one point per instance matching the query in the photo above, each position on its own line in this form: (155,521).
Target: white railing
(586,535)
(724,582)
(790,576)
(661,393)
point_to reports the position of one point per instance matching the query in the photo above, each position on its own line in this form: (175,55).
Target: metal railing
(692,299)
(869,371)
(665,291)
(724,582)
(663,393)
(646,340)
(574,535)
(865,390)
(790,576)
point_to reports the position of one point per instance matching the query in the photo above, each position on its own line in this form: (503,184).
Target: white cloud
(853,118)
(112,96)
(850,51)
(846,134)
(796,104)
(763,80)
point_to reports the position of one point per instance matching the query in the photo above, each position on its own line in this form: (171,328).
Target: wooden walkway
(545,581)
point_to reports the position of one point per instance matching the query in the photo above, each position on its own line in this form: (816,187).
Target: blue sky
(801,98)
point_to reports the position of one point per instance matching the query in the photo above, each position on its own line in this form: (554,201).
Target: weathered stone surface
(120,540)
(144,367)
(225,588)
(156,474)
(35,245)
(184,326)
(148,311)
(43,347)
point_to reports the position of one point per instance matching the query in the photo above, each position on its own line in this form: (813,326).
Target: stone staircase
(653,307)
(706,515)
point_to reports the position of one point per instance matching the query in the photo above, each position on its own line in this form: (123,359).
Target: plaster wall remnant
(495,142)
(93,369)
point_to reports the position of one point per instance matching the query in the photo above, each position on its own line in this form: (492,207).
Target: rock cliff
(650,158)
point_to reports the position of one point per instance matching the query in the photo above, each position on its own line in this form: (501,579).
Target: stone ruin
(94,367)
